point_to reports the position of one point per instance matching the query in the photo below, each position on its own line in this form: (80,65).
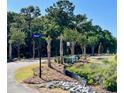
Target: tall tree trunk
(10,50)
(18,51)
(92,50)
(33,42)
(30,38)
(72,48)
(99,48)
(61,49)
(84,48)
(49,51)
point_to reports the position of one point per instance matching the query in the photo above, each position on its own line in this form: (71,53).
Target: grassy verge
(24,72)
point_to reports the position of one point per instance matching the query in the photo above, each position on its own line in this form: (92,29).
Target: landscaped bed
(52,80)
(48,74)
(101,75)
(92,71)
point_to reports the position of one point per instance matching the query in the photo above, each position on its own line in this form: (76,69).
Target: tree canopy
(59,19)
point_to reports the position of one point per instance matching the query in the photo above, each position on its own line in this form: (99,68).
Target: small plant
(90,81)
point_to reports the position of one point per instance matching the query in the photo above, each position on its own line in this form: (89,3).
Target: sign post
(39,36)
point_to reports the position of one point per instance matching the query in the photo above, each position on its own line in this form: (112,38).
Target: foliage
(61,10)
(71,59)
(50,28)
(110,75)
(111,83)
(92,38)
(17,37)
(82,40)
(59,19)
(98,73)
(70,35)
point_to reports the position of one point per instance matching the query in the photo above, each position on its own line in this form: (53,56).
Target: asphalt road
(12,85)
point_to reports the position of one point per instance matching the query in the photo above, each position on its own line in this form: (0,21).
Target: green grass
(24,72)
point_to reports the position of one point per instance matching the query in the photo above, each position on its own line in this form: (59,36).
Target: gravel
(72,87)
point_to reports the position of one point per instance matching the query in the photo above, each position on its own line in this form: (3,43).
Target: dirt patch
(55,73)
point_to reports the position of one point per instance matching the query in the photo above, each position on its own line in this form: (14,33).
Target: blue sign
(38,35)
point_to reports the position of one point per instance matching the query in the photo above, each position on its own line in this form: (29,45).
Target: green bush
(110,75)
(110,83)
(67,60)
(71,59)
(104,73)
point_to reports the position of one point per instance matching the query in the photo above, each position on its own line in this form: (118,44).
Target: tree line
(59,25)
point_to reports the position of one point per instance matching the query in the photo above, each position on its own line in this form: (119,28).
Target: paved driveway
(12,85)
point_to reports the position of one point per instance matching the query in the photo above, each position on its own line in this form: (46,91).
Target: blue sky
(103,12)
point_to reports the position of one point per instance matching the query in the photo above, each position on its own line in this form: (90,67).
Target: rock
(66,88)
(83,82)
(42,85)
(72,87)
(78,88)
(50,85)
(90,90)
(72,91)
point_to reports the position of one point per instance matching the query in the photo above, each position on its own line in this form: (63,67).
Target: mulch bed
(55,73)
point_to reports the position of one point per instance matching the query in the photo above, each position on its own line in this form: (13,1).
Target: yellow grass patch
(25,72)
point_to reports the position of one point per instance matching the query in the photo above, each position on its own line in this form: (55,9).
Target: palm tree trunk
(92,50)
(99,48)
(33,49)
(84,48)
(72,48)
(10,51)
(49,51)
(18,51)
(61,49)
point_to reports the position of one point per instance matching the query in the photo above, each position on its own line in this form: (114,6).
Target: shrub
(71,59)
(104,73)
(110,75)
(110,84)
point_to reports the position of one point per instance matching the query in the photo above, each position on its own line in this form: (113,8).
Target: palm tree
(49,50)
(17,37)
(71,35)
(61,49)
(61,12)
(83,41)
(100,34)
(10,49)
(77,24)
(92,41)
(50,29)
